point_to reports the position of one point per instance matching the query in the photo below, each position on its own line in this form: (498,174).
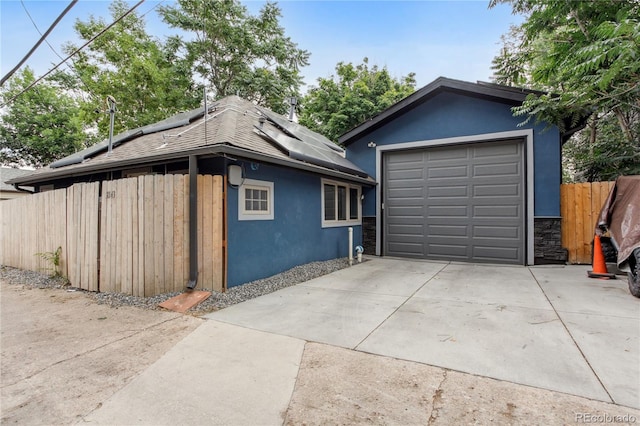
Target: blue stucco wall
(261,248)
(449,115)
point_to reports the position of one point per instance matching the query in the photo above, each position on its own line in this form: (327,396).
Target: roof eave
(505,94)
(208,150)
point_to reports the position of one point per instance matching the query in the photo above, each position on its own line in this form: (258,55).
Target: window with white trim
(340,204)
(255,200)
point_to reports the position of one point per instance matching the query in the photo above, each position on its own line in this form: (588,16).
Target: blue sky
(455,39)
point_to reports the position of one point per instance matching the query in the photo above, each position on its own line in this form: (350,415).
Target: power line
(58,19)
(38,29)
(73,54)
(71,67)
(149,11)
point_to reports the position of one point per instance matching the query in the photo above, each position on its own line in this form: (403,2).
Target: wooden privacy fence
(135,242)
(580,205)
(32,225)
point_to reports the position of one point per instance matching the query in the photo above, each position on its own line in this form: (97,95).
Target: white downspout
(350,246)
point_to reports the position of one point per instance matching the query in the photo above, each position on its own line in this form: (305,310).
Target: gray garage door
(462,202)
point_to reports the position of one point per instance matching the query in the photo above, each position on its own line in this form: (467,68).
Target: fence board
(129,203)
(217,234)
(90,211)
(94,207)
(207,223)
(199,231)
(138,284)
(106,278)
(72,234)
(580,206)
(168,249)
(103,239)
(178,234)
(158,237)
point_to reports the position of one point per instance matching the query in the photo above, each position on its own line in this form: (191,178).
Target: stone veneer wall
(369,234)
(548,241)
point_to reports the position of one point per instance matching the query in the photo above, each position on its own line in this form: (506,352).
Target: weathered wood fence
(130,236)
(580,205)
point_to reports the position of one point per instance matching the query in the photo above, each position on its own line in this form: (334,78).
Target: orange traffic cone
(599,265)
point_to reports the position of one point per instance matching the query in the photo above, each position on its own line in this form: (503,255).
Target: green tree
(586,56)
(600,152)
(353,95)
(147,78)
(41,125)
(236,53)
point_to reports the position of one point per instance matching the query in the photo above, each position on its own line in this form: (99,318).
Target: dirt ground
(344,387)
(63,355)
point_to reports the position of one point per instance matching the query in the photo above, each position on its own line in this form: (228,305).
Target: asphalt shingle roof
(231,122)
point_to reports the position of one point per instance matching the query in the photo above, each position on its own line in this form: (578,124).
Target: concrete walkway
(546,327)
(218,375)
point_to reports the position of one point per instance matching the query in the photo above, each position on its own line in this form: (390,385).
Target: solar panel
(178,120)
(300,132)
(317,154)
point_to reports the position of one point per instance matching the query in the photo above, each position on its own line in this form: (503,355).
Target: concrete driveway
(546,327)
(563,348)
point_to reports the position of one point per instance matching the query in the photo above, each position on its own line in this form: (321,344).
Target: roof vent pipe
(112,112)
(292,109)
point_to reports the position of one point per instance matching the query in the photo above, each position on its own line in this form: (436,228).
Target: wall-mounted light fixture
(371,144)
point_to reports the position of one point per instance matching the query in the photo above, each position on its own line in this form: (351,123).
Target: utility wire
(38,29)
(58,19)
(149,11)
(73,54)
(71,67)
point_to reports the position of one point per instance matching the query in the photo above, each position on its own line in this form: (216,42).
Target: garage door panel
(407,249)
(494,170)
(503,232)
(448,191)
(444,154)
(447,230)
(399,194)
(496,254)
(497,212)
(447,172)
(406,157)
(406,211)
(408,206)
(410,223)
(442,202)
(407,174)
(447,211)
(497,190)
(404,231)
(449,249)
(495,150)
(471,201)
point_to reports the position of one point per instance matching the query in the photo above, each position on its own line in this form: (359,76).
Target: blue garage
(459,178)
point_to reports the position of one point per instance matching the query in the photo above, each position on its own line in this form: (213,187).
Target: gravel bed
(215,302)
